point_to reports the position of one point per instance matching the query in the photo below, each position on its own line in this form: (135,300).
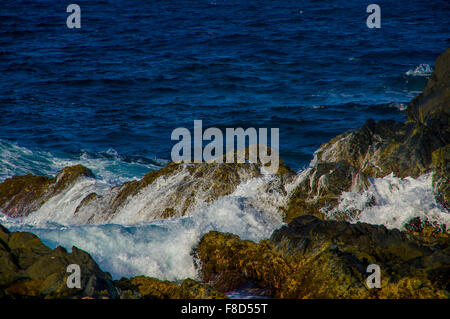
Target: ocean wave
(394,202)
(108,166)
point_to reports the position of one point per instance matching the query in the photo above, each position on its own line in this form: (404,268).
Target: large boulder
(29,269)
(312,258)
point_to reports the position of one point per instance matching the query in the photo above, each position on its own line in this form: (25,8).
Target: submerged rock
(311,258)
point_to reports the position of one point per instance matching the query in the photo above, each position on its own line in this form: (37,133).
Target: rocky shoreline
(313,256)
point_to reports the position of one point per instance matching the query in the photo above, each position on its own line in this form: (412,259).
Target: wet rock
(176,190)
(21,195)
(152,288)
(29,269)
(312,258)
(320,187)
(441,175)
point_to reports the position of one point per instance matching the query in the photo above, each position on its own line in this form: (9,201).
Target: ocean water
(137,70)
(109,95)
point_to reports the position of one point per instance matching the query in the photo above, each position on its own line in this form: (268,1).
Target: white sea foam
(393,202)
(420,70)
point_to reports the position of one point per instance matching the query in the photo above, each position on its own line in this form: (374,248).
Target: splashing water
(420,70)
(393,202)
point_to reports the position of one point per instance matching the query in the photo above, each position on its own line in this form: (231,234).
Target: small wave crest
(420,70)
(108,166)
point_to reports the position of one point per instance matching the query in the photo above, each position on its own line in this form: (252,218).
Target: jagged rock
(172,191)
(29,269)
(312,258)
(152,288)
(21,195)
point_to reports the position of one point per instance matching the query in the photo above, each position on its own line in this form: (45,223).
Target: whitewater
(129,245)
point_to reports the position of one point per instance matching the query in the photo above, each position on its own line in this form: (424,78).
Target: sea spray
(393,202)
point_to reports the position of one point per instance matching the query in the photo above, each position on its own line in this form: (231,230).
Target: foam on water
(393,202)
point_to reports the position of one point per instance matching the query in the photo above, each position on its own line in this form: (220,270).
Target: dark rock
(29,269)
(377,149)
(321,188)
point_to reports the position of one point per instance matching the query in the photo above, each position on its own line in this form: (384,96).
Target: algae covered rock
(21,195)
(312,258)
(152,288)
(29,269)
(227,263)
(441,175)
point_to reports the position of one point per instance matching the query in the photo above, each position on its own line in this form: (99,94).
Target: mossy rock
(21,195)
(29,269)
(152,288)
(312,258)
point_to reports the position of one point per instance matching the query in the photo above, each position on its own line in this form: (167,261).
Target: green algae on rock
(152,288)
(312,258)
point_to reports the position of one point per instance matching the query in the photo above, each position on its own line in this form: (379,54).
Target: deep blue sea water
(114,90)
